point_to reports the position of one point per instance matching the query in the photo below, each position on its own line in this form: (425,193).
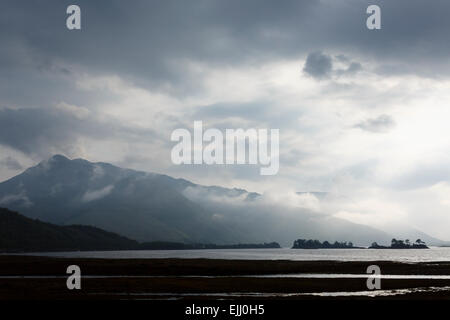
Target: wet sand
(173,285)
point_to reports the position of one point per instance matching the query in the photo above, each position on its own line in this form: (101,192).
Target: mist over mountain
(155,207)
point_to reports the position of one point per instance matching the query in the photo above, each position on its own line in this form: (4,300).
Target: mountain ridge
(156,207)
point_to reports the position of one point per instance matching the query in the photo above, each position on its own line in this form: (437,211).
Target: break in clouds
(361,113)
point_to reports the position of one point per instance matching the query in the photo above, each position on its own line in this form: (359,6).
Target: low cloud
(381,124)
(20,199)
(280,203)
(10,163)
(283,216)
(97,194)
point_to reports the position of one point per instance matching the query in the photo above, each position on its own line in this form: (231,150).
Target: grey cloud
(321,65)
(10,163)
(382,123)
(92,195)
(352,68)
(147,41)
(318,65)
(21,198)
(36,131)
(257,113)
(143,40)
(44,131)
(226,110)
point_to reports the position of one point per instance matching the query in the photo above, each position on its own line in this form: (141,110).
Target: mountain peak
(56,161)
(58,158)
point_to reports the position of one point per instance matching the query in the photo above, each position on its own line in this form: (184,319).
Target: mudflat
(44,278)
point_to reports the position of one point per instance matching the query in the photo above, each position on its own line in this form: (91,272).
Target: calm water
(408,255)
(263,276)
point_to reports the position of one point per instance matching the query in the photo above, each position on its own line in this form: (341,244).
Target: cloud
(280,202)
(97,194)
(318,65)
(323,66)
(20,199)
(43,131)
(46,131)
(380,124)
(422,175)
(163,37)
(10,163)
(351,69)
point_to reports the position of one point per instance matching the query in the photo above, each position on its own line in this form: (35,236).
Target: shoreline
(44,265)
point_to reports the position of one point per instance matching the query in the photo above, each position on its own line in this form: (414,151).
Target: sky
(362,114)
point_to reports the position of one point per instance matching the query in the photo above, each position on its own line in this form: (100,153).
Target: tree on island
(400,244)
(316,244)
(419,242)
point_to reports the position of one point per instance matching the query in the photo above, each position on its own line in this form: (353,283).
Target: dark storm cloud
(152,42)
(40,131)
(45,131)
(382,123)
(318,65)
(142,40)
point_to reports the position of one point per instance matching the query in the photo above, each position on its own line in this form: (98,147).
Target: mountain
(139,205)
(155,207)
(18,233)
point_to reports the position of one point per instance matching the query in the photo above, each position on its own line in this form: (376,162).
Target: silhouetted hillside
(18,234)
(22,234)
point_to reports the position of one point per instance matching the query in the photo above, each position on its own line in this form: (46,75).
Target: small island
(400,244)
(395,244)
(316,244)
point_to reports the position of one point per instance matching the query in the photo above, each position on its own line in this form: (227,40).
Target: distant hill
(20,234)
(157,245)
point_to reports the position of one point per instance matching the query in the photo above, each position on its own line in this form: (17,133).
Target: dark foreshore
(146,278)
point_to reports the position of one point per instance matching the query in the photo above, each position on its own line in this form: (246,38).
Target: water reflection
(399,255)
